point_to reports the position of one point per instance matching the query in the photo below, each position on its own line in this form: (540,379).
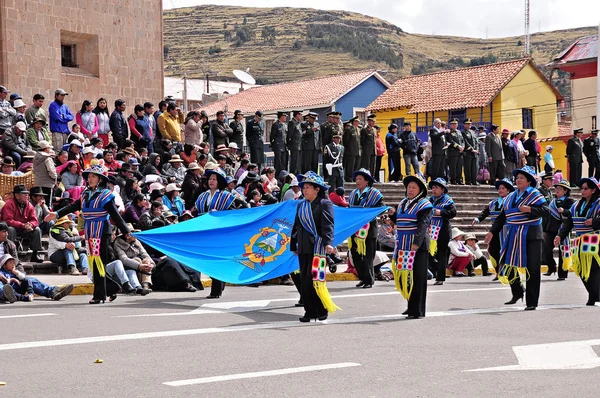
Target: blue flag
(247,245)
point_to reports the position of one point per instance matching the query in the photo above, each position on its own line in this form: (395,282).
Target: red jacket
(14,217)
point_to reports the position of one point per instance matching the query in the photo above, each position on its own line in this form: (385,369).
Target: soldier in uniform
(368,145)
(255,136)
(456,147)
(352,149)
(311,143)
(471,152)
(237,126)
(294,142)
(278,140)
(591,146)
(574,155)
(328,130)
(333,155)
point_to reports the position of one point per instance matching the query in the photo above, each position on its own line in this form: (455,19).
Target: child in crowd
(337,197)
(255,198)
(460,256)
(479,259)
(558,177)
(549,166)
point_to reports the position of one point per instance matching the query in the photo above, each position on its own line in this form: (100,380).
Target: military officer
(333,156)
(278,140)
(352,149)
(456,147)
(574,155)
(294,142)
(471,152)
(368,137)
(328,129)
(237,126)
(311,143)
(255,136)
(591,148)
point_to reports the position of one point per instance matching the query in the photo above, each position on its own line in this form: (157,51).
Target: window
(594,124)
(67,55)
(527,118)
(398,122)
(360,113)
(460,114)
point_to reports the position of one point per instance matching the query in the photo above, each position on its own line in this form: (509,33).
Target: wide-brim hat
(221,147)
(38,120)
(470,236)
(252,176)
(194,166)
(506,182)
(29,155)
(63,220)
(175,159)
(8,161)
(37,191)
(130,227)
(96,167)
(312,178)
(20,188)
(221,176)
(456,232)
(591,180)
(365,173)
(129,151)
(172,187)
(439,182)
(233,145)
(528,172)
(417,179)
(565,184)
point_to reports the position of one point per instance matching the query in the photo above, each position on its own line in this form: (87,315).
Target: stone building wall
(118,51)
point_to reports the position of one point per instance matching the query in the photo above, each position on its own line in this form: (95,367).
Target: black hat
(296,113)
(481,128)
(219,113)
(8,161)
(237,112)
(392,126)
(251,176)
(20,189)
(203,114)
(259,113)
(125,167)
(280,114)
(419,181)
(468,120)
(579,130)
(455,120)
(37,119)
(332,113)
(338,114)
(112,179)
(548,176)
(37,191)
(3,225)
(406,124)
(354,119)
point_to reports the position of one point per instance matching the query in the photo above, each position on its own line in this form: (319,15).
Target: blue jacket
(409,143)
(60,116)
(392,142)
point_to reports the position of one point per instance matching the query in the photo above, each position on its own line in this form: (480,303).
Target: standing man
(118,123)
(311,143)
(60,116)
(328,130)
(169,123)
(495,153)
(530,145)
(437,135)
(591,148)
(278,139)
(220,131)
(294,142)
(237,126)
(255,136)
(333,156)
(471,152)
(368,145)
(392,144)
(511,155)
(352,149)
(410,147)
(456,149)
(7,112)
(149,116)
(574,154)
(36,111)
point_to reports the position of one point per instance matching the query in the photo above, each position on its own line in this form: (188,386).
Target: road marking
(553,356)
(266,373)
(259,326)
(25,316)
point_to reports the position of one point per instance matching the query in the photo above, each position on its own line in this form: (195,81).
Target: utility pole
(527,38)
(185,96)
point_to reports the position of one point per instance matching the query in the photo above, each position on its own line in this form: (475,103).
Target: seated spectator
(187,215)
(139,205)
(172,200)
(131,189)
(60,159)
(154,165)
(87,155)
(242,169)
(165,150)
(479,260)
(38,199)
(13,142)
(386,234)
(20,216)
(172,276)
(205,149)
(135,169)
(65,248)
(74,151)
(272,183)
(44,170)
(15,285)
(27,163)
(153,218)
(222,163)
(254,196)
(8,167)
(7,246)
(171,217)
(135,258)
(174,170)
(97,147)
(460,256)
(337,197)
(37,132)
(71,179)
(124,173)
(109,161)
(286,179)
(191,184)
(19,106)
(126,279)
(293,193)
(112,185)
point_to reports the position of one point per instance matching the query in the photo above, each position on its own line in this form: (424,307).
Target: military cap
(338,114)
(219,113)
(454,121)
(579,130)
(297,113)
(332,113)
(468,120)
(548,176)
(314,115)
(259,113)
(238,112)
(392,126)
(280,114)
(336,135)
(595,131)
(372,117)
(354,119)
(473,128)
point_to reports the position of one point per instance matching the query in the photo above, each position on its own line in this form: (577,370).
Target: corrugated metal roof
(582,49)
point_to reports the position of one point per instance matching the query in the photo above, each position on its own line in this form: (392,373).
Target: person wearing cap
(352,148)
(311,142)
(531,146)
(333,156)
(44,170)
(237,126)
(59,116)
(19,106)
(172,200)
(174,170)
(293,193)
(363,243)
(220,131)
(87,155)
(118,123)
(99,210)
(368,145)
(444,210)
(548,159)
(591,150)
(36,132)
(136,261)
(13,141)
(192,130)
(456,148)
(545,187)
(495,155)
(7,112)
(437,138)
(574,155)
(558,210)
(460,257)
(19,214)
(312,240)
(470,153)
(328,128)
(35,111)
(393,145)
(255,136)
(493,210)
(294,142)
(278,139)
(521,253)
(65,248)
(583,219)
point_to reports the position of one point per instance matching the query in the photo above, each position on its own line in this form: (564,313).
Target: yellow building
(513,95)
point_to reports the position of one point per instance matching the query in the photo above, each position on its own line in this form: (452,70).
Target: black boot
(35,258)
(127,288)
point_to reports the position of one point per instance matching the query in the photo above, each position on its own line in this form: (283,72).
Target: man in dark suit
(591,146)
(311,143)
(456,148)
(368,137)
(495,154)
(278,140)
(574,154)
(530,145)
(352,148)
(294,142)
(471,152)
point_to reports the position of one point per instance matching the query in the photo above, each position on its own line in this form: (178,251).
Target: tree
(519,43)
(245,20)
(243,34)
(214,50)
(268,34)
(297,45)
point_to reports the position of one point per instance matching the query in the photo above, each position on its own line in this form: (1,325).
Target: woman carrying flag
(440,228)
(312,239)
(552,224)
(409,263)
(493,210)
(522,246)
(583,218)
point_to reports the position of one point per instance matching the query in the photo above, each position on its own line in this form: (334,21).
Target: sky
(470,18)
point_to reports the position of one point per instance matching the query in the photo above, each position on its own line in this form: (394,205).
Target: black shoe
(560,278)
(438,283)
(531,308)
(322,318)
(142,291)
(405,312)
(591,303)
(299,304)
(495,278)
(128,289)
(35,258)
(514,300)
(213,297)
(549,273)
(360,284)
(413,317)
(472,274)
(190,288)
(486,274)
(304,319)
(332,268)
(365,286)
(337,259)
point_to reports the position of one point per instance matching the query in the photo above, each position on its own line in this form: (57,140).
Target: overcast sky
(472,18)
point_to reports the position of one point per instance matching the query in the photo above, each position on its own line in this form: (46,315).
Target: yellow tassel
(350,243)
(323,293)
(97,261)
(433,247)
(566,263)
(493,261)
(361,247)
(505,270)
(582,265)
(403,280)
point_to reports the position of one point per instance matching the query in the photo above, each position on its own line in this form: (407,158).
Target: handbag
(484,174)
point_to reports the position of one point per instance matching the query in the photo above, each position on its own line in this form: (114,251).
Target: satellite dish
(244,77)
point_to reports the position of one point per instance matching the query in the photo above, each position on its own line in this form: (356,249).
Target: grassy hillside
(283,44)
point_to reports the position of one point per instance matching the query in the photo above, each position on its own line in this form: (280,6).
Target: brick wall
(119,47)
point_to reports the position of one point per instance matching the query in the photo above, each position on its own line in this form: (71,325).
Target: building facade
(91,49)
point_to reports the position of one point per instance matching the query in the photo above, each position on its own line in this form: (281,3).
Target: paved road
(253,339)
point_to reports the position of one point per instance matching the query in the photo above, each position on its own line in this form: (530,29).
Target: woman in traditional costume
(97,204)
(583,218)
(363,243)
(440,228)
(521,252)
(493,210)
(312,239)
(552,224)
(410,260)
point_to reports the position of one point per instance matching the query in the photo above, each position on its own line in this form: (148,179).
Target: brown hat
(175,159)
(194,166)
(129,151)
(221,147)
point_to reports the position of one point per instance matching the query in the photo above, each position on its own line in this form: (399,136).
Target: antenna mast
(527,36)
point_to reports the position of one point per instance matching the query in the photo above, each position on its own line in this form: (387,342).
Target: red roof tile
(564,129)
(473,87)
(302,95)
(582,49)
